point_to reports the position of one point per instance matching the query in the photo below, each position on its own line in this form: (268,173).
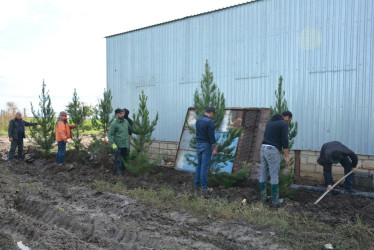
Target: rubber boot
(275,195)
(263,193)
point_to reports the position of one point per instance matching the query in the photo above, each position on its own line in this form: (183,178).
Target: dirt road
(53,207)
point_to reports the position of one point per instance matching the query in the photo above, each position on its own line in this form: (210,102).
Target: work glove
(114,146)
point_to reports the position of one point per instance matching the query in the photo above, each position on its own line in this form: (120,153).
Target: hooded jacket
(330,147)
(63,129)
(119,133)
(276,132)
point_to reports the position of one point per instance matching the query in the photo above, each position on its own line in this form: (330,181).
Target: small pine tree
(101,119)
(286,173)
(210,96)
(44,135)
(139,162)
(78,112)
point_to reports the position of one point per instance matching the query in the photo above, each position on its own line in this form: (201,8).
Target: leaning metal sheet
(231,119)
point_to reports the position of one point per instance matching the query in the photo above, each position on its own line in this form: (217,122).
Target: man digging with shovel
(332,153)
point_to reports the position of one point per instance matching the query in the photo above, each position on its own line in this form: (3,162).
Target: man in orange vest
(62,135)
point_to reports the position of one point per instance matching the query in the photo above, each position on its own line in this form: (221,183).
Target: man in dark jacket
(275,139)
(16,133)
(127,112)
(333,152)
(205,147)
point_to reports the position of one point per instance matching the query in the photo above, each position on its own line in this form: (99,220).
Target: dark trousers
(61,152)
(14,144)
(120,155)
(347,165)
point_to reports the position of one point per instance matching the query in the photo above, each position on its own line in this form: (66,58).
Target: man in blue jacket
(205,147)
(16,133)
(275,139)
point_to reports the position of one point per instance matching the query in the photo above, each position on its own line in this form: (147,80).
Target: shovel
(320,198)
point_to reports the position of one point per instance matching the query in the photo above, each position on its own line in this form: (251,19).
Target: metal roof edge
(187,17)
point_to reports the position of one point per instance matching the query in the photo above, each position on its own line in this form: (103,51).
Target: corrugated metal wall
(322,48)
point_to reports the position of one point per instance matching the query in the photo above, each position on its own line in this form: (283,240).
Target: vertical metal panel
(322,48)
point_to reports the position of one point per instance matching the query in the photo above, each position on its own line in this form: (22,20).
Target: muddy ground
(56,207)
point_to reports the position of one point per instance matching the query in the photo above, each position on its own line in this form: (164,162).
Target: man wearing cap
(118,137)
(63,133)
(205,147)
(334,152)
(275,139)
(16,133)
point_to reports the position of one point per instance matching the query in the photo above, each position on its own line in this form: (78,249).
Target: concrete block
(307,168)
(312,159)
(371,157)
(337,170)
(368,164)
(363,157)
(172,146)
(309,153)
(163,145)
(303,159)
(365,171)
(155,144)
(312,176)
(319,169)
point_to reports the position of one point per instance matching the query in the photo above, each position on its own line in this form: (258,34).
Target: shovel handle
(320,198)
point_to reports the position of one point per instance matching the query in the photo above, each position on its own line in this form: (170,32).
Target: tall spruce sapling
(210,96)
(139,161)
(44,135)
(101,120)
(78,113)
(102,113)
(286,173)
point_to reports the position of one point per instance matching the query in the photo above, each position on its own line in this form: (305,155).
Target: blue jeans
(204,154)
(119,155)
(270,164)
(61,152)
(13,145)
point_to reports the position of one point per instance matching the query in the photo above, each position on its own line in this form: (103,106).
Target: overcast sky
(62,42)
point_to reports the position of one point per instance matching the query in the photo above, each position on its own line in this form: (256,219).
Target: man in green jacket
(16,133)
(118,137)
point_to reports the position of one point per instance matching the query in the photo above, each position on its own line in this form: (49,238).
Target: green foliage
(286,174)
(44,135)
(78,112)
(210,96)
(139,162)
(101,115)
(227,180)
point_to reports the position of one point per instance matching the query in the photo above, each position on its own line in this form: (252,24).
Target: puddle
(22,246)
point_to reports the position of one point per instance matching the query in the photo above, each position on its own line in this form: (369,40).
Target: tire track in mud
(60,211)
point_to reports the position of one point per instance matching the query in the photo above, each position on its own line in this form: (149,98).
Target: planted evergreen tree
(101,121)
(78,113)
(210,96)
(286,173)
(139,161)
(102,112)
(44,135)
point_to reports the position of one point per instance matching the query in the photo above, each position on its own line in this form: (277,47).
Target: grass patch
(301,231)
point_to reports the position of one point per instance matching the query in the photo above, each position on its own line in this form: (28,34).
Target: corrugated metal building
(324,49)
